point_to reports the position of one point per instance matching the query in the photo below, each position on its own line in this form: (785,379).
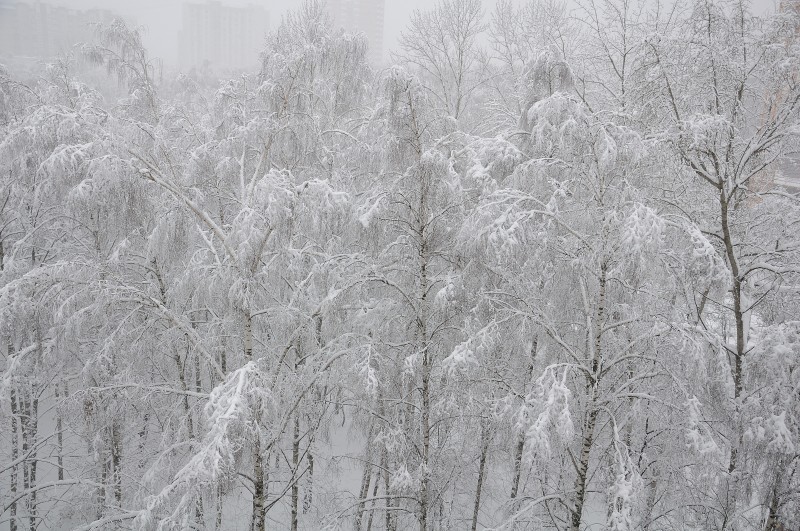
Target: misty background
(162,20)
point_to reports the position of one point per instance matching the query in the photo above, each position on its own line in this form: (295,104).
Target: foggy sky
(162,18)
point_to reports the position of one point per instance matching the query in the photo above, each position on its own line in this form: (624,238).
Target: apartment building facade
(40,30)
(222,37)
(363,16)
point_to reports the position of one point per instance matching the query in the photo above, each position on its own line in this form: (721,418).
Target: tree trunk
(101,490)
(258,517)
(143,439)
(389,504)
(59,435)
(520,446)
(259,496)
(366,476)
(423,342)
(426,444)
(519,450)
(33,430)
(198,375)
(220,502)
(180,365)
(116,461)
(592,383)
(738,315)
(583,468)
(481,471)
(773,522)
(308,495)
(14,453)
(296,467)
(199,516)
(223,359)
(374,504)
(29,412)
(248,336)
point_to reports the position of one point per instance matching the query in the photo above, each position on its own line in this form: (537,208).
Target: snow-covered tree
(541,274)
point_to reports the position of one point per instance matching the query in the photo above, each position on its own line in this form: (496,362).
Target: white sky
(162,18)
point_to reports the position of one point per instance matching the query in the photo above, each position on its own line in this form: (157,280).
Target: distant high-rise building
(221,36)
(43,30)
(789,174)
(365,16)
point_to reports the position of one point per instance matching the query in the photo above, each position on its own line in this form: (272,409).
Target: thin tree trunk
(652,485)
(248,336)
(374,504)
(116,461)
(259,496)
(143,439)
(481,471)
(738,314)
(223,358)
(426,444)
(308,495)
(583,467)
(181,367)
(59,436)
(198,375)
(33,431)
(652,489)
(737,355)
(296,466)
(519,449)
(366,476)
(520,446)
(773,523)
(14,452)
(199,509)
(199,516)
(101,491)
(389,503)
(29,464)
(592,383)
(422,330)
(220,500)
(258,517)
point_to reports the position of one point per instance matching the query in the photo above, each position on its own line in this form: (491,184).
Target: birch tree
(730,101)
(443,45)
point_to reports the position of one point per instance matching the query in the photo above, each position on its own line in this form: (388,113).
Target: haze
(162,18)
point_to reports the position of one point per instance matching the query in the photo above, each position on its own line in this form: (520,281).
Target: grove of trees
(538,274)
